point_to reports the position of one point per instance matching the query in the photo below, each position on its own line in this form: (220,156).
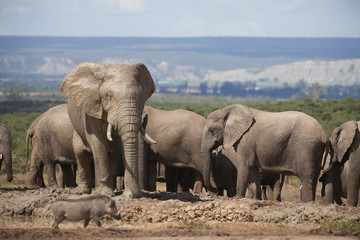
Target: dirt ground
(24,214)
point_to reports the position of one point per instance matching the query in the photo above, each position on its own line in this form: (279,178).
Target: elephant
(5,151)
(224,169)
(51,137)
(178,134)
(342,177)
(273,182)
(105,102)
(182,180)
(290,143)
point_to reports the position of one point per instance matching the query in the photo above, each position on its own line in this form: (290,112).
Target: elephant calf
(86,208)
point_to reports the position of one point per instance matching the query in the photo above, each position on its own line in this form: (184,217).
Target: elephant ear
(237,121)
(342,137)
(144,118)
(145,81)
(81,85)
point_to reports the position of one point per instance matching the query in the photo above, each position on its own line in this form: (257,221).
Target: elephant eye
(108,95)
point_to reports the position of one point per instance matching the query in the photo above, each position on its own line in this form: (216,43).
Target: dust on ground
(24,214)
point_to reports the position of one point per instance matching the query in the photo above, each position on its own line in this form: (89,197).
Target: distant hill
(269,60)
(344,72)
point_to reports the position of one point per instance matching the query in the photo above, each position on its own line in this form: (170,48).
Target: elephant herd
(106,131)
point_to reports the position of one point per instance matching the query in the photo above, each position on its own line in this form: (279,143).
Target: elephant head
(115,94)
(341,139)
(224,127)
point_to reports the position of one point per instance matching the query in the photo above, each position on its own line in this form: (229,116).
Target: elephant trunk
(206,156)
(128,127)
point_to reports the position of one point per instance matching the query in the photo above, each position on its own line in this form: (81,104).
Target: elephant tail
(29,135)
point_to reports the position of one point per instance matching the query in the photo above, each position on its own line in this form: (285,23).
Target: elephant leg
(120,182)
(50,171)
(220,191)
(242,179)
(171,177)
(68,177)
(263,190)
(352,181)
(151,172)
(198,183)
(278,187)
(103,183)
(61,177)
(40,175)
(116,168)
(253,182)
(31,179)
(307,189)
(327,190)
(84,163)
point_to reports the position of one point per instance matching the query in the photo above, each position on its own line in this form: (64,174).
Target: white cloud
(130,6)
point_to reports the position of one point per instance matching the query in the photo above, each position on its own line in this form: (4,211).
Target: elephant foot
(129,194)
(82,189)
(35,186)
(104,190)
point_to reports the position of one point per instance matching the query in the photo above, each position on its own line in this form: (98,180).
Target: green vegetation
(341,226)
(196,225)
(18,116)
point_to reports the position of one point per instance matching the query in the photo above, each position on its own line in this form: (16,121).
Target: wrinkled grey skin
(51,138)
(342,178)
(178,135)
(92,207)
(5,150)
(290,143)
(105,106)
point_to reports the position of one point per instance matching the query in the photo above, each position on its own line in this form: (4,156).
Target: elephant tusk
(108,132)
(146,136)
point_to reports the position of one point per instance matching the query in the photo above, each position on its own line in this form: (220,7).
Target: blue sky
(181,18)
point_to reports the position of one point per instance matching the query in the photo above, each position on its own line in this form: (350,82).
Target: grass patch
(196,225)
(342,226)
(282,225)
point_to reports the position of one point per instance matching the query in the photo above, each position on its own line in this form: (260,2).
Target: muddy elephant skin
(178,135)
(51,139)
(92,207)
(290,143)
(105,106)
(342,177)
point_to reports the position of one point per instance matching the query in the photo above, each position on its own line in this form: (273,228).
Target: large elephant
(5,151)
(342,178)
(290,143)
(51,139)
(105,106)
(178,135)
